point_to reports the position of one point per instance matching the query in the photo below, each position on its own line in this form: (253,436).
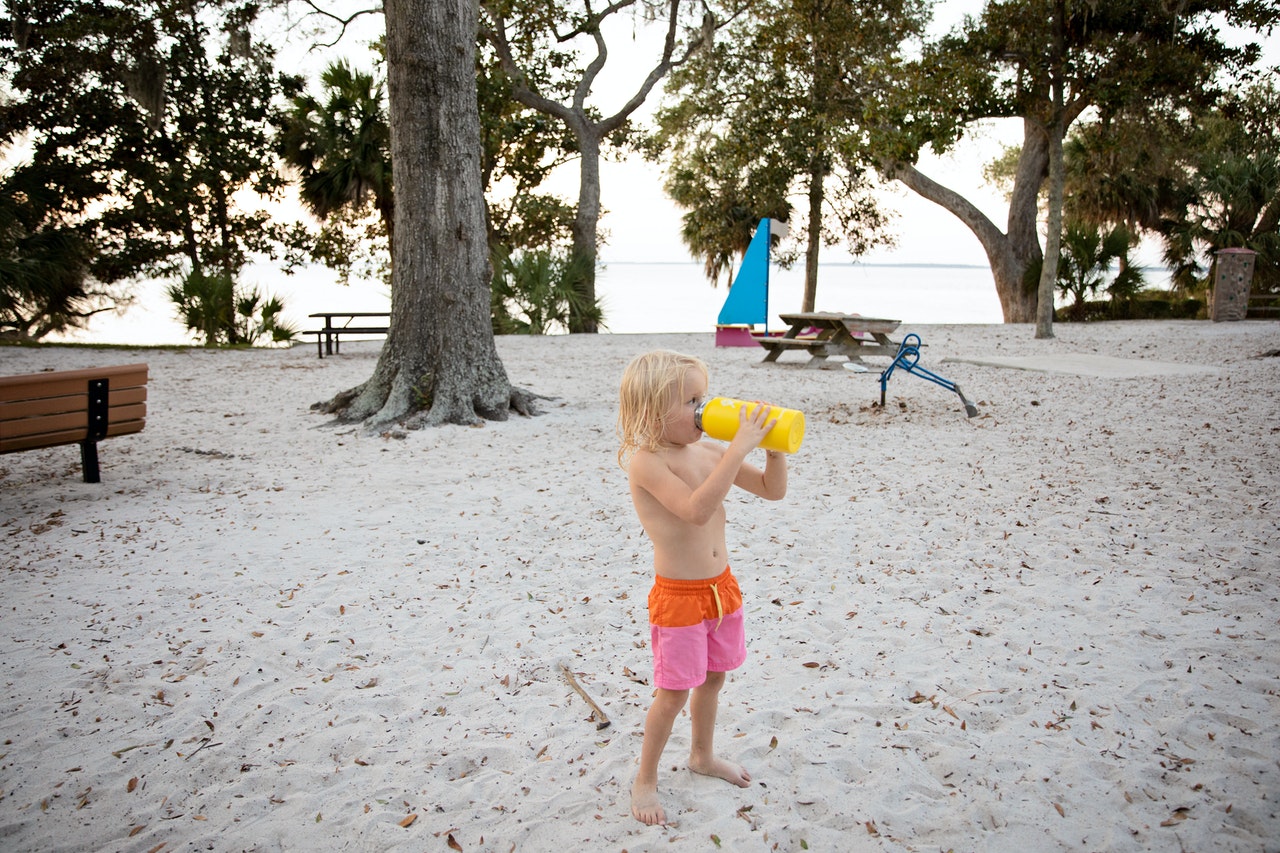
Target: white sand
(1051,627)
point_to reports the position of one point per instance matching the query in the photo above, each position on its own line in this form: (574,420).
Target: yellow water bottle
(718,418)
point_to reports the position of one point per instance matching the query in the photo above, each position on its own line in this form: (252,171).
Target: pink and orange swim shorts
(695,627)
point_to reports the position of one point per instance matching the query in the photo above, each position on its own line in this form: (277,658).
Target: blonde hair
(645,398)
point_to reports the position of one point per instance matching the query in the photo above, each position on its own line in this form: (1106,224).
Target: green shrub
(214,308)
(536,291)
(1147,305)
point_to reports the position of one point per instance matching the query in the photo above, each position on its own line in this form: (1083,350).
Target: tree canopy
(124,111)
(552,53)
(1049,63)
(774,111)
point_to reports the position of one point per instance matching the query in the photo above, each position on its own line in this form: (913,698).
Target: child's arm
(771,483)
(697,505)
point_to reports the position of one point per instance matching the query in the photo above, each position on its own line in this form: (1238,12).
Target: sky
(642,224)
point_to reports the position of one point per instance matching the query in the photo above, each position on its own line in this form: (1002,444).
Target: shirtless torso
(682,549)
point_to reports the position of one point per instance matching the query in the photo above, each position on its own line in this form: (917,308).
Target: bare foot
(645,806)
(734,774)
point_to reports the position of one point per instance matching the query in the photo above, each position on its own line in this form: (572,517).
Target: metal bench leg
(99,416)
(89,461)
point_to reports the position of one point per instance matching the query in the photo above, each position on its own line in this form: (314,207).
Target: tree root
(521,401)
(338,404)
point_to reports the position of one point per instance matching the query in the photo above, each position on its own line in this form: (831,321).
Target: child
(678,485)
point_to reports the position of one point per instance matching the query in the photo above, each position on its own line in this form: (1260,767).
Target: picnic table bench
(1263,307)
(327,338)
(72,407)
(832,334)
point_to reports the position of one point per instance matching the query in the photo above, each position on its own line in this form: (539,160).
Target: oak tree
(553,52)
(439,363)
(1047,63)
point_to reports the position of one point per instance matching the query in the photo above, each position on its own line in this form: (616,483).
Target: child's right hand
(754,424)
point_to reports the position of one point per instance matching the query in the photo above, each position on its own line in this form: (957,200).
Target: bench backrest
(48,409)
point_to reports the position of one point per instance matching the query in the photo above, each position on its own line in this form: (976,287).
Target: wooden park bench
(72,407)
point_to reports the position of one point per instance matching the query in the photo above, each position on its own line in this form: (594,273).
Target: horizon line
(823,263)
(926,264)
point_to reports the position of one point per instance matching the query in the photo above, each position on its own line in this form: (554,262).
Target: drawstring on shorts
(719,607)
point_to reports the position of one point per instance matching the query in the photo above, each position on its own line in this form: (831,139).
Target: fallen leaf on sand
(408,821)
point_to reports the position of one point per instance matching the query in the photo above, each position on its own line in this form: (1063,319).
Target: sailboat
(748,301)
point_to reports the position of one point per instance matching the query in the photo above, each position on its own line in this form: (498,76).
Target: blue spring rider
(908,359)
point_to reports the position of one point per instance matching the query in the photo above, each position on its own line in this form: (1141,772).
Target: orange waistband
(675,603)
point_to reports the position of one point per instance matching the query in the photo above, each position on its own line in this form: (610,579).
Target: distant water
(637,297)
(675,297)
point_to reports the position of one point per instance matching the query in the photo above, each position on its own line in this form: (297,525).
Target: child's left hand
(754,424)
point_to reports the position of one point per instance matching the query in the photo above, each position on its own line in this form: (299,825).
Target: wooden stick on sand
(602,721)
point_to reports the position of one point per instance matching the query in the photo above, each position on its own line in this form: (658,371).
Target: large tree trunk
(585,224)
(439,363)
(817,175)
(1053,238)
(1012,254)
(1053,134)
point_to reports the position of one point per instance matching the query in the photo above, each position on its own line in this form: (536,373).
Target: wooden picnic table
(327,338)
(836,334)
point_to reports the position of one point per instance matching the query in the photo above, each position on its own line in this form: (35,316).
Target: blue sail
(748,299)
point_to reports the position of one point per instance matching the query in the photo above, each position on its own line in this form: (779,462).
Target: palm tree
(724,198)
(1087,255)
(1118,173)
(1237,205)
(342,147)
(537,291)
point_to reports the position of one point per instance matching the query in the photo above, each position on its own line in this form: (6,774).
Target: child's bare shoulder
(645,462)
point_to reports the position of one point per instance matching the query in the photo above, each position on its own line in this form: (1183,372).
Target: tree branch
(521,89)
(983,228)
(593,20)
(575,114)
(343,23)
(1270,217)
(664,66)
